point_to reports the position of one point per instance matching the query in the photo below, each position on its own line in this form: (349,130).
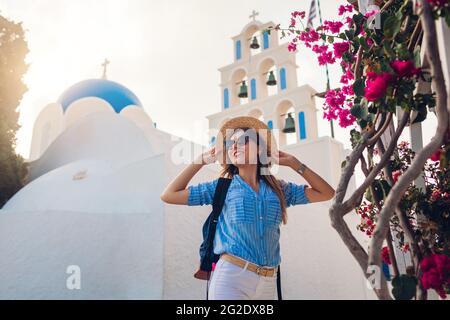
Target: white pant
(231,282)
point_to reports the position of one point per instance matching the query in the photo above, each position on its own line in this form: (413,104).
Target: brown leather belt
(261,271)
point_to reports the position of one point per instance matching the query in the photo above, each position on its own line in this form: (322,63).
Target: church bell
(289,125)
(243,91)
(254,44)
(271,81)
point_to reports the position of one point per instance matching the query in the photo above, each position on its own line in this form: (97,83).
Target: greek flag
(312,14)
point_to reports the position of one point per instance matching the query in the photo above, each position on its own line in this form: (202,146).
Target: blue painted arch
(226,98)
(283,78)
(265,40)
(238,50)
(253,89)
(301,125)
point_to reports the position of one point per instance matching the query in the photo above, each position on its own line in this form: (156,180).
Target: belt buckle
(262,271)
(258,270)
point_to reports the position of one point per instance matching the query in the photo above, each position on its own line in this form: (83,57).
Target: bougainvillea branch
(385,76)
(430,39)
(349,204)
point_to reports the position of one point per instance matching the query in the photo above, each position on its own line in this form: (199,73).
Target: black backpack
(206,251)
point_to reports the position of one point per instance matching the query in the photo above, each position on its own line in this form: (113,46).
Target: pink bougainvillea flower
(309,37)
(385,255)
(213,266)
(348,21)
(436,273)
(332,26)
(340,48)
(348,90)
(293,22)
(404,68)
(436,194)
(376,85)
(404,144)
(345,8)
(319,48)
(395,175)
(371,13)
(405,247)
(436,156)
(292,46)
(326,58)
(300,14)
(336,108)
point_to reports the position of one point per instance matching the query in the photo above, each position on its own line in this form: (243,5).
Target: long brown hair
(229,170)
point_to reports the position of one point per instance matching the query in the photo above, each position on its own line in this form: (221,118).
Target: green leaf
(399,15)
(362,123)
(350,34)
(330,39)
(363,42)
(368,195)
(422,115)
(358,18)
(391,27)
(357,111)
(358,87)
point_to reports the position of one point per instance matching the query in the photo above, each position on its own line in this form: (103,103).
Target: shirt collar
(262,185)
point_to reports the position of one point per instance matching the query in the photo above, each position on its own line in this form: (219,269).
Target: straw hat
(247,122)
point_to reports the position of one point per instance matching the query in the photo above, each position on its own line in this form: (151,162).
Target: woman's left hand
(284,159)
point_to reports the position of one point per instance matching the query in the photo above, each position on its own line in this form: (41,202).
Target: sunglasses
(241,141)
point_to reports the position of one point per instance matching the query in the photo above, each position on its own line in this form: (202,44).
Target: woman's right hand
(208,157)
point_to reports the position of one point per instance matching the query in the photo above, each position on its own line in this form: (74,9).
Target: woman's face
(242,148)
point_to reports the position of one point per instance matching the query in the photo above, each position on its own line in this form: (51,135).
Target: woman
(248,231)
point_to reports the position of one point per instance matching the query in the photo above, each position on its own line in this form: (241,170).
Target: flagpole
(326,69)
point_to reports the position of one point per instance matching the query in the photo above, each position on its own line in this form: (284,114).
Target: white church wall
(117,240)
(83,107)
(47,126)
(159,140)
(183,236)
(99,135)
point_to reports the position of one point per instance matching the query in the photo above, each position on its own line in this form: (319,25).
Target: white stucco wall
(110,224)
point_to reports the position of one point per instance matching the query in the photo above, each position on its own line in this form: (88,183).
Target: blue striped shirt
(249,225)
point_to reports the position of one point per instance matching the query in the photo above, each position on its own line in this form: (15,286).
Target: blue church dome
(117,95)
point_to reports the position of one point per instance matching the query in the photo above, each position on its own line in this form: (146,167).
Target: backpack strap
(279,284)
(220,195)
(218,202)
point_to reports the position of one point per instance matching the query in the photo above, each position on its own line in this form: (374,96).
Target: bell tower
(262,82)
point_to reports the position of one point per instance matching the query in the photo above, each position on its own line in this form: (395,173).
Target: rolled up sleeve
(294,193)
(202,193)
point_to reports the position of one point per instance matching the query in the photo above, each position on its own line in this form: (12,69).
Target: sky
(167,52)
